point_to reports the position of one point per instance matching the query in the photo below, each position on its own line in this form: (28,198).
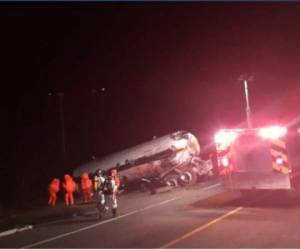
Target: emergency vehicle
(257,158)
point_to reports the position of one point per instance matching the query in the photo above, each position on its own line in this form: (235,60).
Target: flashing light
(225,161)
(225,137)
(273,132)
(279,160)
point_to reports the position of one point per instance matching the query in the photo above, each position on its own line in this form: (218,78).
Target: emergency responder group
(104,187)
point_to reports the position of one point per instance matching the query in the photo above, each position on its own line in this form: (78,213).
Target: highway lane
(139,215)
(268,220)
(195,218)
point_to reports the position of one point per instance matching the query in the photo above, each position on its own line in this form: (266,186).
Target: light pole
(248,110)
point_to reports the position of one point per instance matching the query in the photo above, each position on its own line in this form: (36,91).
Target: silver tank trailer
(173,158)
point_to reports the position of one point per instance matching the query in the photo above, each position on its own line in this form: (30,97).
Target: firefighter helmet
(100,172)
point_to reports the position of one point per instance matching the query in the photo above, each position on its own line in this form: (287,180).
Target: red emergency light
(225,137)
(225,161)
(273,132)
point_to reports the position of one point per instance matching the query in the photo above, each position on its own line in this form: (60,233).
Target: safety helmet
(66,176)
(85,175)
(100,172)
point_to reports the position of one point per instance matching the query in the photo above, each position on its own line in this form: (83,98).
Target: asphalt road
(201,217)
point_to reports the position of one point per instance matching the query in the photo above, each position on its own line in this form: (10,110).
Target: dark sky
(164,66)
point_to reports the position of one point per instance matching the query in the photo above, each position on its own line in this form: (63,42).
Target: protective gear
(53,189)
(115,176)
(100,189)
(98,179)
(69,186)
(112,189)
(117,184)
(86,187)
(106,194)
(100,172)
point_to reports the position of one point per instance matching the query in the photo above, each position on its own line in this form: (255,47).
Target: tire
(171,180)
(188,178)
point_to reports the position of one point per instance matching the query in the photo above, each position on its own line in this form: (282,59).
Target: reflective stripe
(280,163)
(275,147)
(278,149)
(282,169)
(275,154)
(279,143)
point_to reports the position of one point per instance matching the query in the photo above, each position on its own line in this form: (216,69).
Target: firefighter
(100,189)
(53,189)
(86,187)
(113,186)
(69,186)
(115,176)
(96,182)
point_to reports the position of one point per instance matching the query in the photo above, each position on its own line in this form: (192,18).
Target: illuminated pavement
(201,217)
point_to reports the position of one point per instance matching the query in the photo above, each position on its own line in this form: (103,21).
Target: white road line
(212,186)
(109,220)
(100,223)
(16,230)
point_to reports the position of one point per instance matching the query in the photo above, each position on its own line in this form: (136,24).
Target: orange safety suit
(53,189)
(86,187)
(69,186)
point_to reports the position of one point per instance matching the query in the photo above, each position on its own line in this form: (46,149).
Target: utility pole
(245,80)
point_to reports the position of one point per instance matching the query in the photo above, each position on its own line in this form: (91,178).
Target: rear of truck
(257,158)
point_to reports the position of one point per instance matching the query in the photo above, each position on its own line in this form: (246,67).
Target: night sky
(163,66)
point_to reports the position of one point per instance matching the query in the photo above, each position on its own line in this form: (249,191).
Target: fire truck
(258,158)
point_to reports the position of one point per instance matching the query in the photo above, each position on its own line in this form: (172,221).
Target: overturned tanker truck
(170,160)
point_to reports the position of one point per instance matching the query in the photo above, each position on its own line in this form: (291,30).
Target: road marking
(212,186)
(16,230)
(201,228)
(109,220)
(100,223)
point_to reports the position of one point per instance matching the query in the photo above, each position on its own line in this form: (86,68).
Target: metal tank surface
(171,159)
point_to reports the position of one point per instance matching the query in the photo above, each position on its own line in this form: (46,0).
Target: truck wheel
(188,178)
(171,180)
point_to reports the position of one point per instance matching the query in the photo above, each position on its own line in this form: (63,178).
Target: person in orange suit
(69,186)
(86,187)
(53,189)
